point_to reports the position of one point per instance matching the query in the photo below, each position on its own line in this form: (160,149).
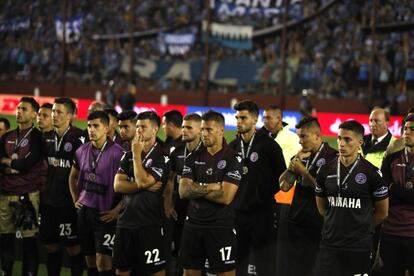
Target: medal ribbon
(57,146)
(314,158)
(17,143)
(338,172)
(148,154)
(248,148)
(96,161)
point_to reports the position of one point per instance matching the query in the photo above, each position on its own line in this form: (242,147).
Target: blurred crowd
(330,55)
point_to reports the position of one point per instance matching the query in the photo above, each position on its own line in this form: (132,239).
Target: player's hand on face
(297,166)
(137,144)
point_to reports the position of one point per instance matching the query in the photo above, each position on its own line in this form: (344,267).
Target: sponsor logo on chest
(344,202)
(57,162)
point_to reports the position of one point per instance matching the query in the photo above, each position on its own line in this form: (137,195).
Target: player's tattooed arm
(224,195)
(189,189)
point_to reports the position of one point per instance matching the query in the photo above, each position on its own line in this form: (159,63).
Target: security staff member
(263,164)
(211,176)
(397,232)
(352,197)
(304,222)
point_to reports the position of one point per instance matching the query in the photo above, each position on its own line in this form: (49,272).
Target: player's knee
(103,262)
(73,250)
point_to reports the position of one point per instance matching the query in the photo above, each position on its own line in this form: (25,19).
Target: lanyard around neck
(57,145)
(185,149)
(314,158)
(338,171)
(96,161)
(17,143)
(245,155)
(148,154)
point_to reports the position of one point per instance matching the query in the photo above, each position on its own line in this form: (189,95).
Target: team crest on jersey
(221,164)
(321,162)
(24,143)
(68,147)
(148,163)
(360,178)
(254,156)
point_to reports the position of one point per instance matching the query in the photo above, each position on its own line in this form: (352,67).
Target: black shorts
(95,235)
(58,224)
(142,248)
(339,262)
(218,245)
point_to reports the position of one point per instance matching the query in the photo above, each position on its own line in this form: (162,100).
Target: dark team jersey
(178,156)
(303,210)
(59,153)
(200,166)
(398,170)
(348,223)
(96,187)
(145,208)
(24,147)
(170,144)
(263,164)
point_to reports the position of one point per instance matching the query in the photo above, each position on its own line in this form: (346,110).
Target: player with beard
(397,231)
(304,222)
(176,208)
(263,163)
(127,121)
(352,197)
(59,218)
(22,166)
(210,179)
(91,183)
(141,179)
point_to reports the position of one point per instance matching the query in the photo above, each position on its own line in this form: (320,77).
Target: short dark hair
(68,103)
(192,117)
(308,121)
(354,126)
(47,105)
(174,116)
(247,105)
(151,116)
(5,122)
(112,112)
(275,108)
(409,118)
(212,115)
(31,101)
(99,115)
(127,115)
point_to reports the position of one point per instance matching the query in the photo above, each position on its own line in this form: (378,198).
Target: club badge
(221,164)
(254,157)
(68,147)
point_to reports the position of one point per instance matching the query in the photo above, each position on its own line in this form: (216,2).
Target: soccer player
(141,179)
(22,166)
(304,222)
(91,183)
(4,126)
(176,208)
(44,118)
(263,163)
(210,179)
(127,127)
(113,126)
(59,219)
(397,232)
(171,123)
(352,197)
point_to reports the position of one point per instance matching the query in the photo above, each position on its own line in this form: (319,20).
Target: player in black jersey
(58,214)
(171,124)
(141,178)
(263,163)
(127,121)
(352,197)
(397,231)
(174,207)
(113,126)
(44,118)
(211,176)
(304,220)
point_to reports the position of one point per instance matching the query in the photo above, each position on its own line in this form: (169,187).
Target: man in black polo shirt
(59,218)
(141,179)
(210,179)
(263,163)
(352,197)
(175,207)
(304,222)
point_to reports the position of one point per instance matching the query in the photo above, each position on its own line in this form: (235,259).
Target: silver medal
(92,177)
(245,170)
(14,156)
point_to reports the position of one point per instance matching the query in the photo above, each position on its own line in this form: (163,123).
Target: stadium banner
(331,121)
(175,44)
(73,28)
(231,36)
(290,117)
(266,8)
(13,25)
